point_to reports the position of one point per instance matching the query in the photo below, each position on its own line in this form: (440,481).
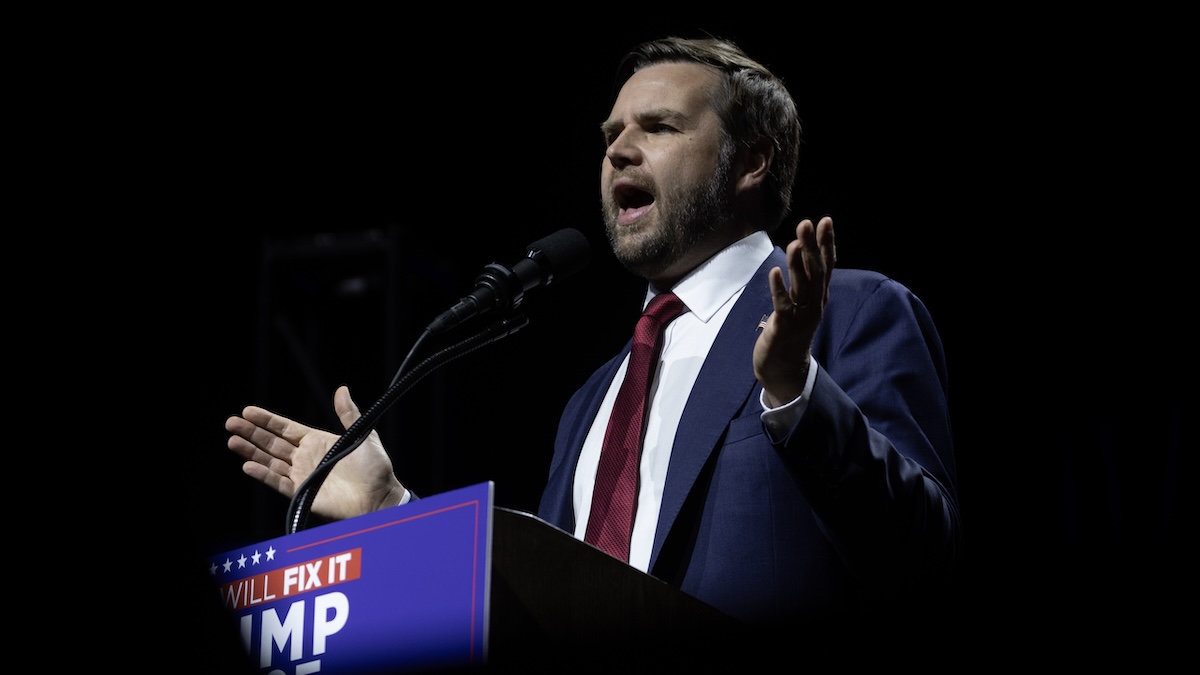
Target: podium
(452,582)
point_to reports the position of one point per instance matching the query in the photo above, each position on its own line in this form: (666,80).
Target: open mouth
(631,201)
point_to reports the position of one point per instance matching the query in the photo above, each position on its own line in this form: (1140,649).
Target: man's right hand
(281,453)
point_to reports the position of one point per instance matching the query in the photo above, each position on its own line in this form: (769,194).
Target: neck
(699,253)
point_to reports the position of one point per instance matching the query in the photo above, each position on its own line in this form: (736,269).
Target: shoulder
(850,289)
(861,281)
(864,283)
(855,291)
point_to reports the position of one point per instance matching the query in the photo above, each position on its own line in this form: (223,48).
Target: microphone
(499,288)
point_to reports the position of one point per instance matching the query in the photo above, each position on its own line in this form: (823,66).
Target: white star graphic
(242,561)
(212,569)
(228,564)
(256,556)
(271,553)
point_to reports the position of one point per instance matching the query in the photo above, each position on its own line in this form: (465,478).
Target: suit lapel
(725,382)
(557,499)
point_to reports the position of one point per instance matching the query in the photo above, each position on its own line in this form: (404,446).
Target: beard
(684,217)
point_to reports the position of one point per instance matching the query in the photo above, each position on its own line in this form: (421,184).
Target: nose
(623,151)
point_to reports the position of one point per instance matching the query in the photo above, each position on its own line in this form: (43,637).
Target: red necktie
(614,495)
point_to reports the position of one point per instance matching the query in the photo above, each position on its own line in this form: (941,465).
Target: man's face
(664,185)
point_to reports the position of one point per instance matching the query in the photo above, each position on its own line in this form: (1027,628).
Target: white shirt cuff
(779,421)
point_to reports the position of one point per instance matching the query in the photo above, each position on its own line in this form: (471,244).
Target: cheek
(693,165)
(685,179)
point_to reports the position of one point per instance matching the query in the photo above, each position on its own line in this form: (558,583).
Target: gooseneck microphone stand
(405,379)
(496,288)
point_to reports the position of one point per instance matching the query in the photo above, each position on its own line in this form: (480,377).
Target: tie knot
(663,308)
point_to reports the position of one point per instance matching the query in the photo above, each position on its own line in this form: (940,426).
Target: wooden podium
(556,599)
(453,583)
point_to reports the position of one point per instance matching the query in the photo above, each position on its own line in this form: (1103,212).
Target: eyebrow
(655,114)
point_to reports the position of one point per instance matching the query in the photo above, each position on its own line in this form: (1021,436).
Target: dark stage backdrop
(351,196)
(342,193)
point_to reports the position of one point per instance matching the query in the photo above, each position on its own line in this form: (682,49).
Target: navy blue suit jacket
(856,505)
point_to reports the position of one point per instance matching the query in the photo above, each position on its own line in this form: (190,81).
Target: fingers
(344,406)
(268,454)
(803,263)
(811,258)
(278,425)
(268,443)
(828,250)
(242,447)
(259,432)
(779,292)
(280,482)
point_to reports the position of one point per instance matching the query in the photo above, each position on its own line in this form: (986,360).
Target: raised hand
(281,453)
(781,355)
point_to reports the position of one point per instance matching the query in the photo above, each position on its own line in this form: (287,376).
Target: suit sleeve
(873,451)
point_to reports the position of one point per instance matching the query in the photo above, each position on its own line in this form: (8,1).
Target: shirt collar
(708,287)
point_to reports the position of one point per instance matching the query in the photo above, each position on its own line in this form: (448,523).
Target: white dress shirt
(709,292)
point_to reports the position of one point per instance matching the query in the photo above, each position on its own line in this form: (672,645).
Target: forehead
(684,87)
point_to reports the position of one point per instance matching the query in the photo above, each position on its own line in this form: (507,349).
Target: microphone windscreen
(565,252)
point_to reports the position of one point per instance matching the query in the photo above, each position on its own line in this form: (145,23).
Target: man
(797,460)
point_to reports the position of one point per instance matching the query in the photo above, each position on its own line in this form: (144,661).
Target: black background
(998,166)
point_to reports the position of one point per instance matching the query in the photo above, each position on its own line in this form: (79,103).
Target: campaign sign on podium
(401,588)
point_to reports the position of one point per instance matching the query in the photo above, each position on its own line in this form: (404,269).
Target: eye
(662,128)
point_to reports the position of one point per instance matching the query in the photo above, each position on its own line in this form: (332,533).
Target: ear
(754,163)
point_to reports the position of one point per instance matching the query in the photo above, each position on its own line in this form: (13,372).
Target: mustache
(625,185)
(636,175)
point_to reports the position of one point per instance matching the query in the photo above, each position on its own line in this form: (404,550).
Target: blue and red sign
(404,588)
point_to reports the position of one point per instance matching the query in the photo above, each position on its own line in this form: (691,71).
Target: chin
(637,248)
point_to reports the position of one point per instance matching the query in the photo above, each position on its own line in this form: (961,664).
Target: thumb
(344,406)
